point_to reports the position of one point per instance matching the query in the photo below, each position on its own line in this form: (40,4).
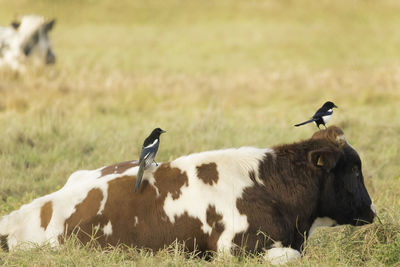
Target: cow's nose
(373,208)
(50,57)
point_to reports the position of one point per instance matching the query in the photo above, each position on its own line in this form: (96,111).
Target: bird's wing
(146,152)
(145,145)
(311,120)
(322,112)
(139,175)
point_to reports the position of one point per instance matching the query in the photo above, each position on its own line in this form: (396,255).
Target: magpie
(149,151)
(322,116)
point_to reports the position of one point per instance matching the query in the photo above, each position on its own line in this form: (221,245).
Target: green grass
(215,74)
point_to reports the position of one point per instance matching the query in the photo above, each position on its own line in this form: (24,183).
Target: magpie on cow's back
(149,151)
(322,116)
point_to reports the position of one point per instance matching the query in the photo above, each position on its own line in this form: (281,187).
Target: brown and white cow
(26,41)
(257,199)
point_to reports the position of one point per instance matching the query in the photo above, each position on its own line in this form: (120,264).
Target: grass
(215,74)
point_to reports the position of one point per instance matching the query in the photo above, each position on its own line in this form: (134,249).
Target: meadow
(214,74)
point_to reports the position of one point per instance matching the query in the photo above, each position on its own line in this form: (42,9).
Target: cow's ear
(15,24)
(323,158)
(49,25)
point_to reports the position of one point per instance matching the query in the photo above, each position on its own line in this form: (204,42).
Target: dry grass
(215,74)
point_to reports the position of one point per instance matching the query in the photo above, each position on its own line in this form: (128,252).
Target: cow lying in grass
(26,39)
(248,198)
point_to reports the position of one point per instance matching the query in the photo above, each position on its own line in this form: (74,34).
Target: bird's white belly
(326,118)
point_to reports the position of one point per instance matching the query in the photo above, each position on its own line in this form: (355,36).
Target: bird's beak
(335,106)
(162,131)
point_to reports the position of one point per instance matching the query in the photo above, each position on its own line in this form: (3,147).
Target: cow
(256,200)
(26,40)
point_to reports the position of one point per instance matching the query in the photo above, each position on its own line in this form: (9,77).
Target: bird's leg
(155,162)
(325,127)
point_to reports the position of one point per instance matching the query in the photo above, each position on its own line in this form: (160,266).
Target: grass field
(215,74)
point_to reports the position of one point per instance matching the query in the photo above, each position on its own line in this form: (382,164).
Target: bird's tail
(139,175)
(297,125)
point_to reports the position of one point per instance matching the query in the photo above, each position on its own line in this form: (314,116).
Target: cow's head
(343,196)
(33,33)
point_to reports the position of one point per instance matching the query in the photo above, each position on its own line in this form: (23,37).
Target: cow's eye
(356,170)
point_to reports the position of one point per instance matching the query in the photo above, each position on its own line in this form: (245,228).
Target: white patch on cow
(321,222)
(277,244)
(23,225)
(373,208)
(234,166)
(136,221)
(281,255)
(107,229)
(83,175)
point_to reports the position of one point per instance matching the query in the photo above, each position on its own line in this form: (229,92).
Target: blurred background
(214,74)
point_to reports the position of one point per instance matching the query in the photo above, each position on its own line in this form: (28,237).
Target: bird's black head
(157,131)
(329,105)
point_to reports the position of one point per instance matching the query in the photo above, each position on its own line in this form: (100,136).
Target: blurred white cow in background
(26,42)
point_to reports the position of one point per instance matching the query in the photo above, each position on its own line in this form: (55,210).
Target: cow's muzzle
(367,217)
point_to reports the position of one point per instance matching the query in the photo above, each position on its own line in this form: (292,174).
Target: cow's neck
(291,181)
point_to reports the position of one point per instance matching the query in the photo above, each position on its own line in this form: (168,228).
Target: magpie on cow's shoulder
(149,151)
(322,116)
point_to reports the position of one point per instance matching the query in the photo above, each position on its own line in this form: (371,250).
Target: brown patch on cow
(118,168)
(4,243)
(87,209)
(332,133)
(170,180)
(85,217)
(214,220)
(264,215)
(208,173)
(46,211)
(155,230)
